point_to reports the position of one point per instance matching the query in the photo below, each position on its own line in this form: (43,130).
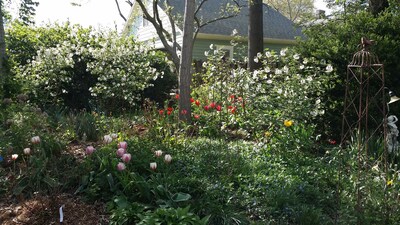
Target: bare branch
(129,3)
(119,10)
(198,8)
(161,32)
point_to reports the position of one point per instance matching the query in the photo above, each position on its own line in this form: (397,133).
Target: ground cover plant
(258,150)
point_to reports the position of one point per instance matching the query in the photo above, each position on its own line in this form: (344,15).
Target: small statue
(392,134)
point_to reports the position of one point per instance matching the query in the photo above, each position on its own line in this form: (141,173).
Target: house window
(227,49)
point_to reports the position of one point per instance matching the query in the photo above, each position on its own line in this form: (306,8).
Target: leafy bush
(91,67)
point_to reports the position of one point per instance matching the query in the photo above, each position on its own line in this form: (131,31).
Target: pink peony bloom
(121,166)
(121,152)
(114,136)
(35,140)
(153,166)
(126,157)
(123,145)
(27,151)
(158,153)
(167,158)
(107,139)
(14,156)
(89,150)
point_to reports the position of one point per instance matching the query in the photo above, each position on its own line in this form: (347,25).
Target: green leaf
(121,202)
(181,197)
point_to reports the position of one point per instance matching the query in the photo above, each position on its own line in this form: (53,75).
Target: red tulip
(197,102)
(218,108)
(191,100)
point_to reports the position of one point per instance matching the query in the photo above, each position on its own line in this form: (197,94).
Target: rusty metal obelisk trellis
(364,115)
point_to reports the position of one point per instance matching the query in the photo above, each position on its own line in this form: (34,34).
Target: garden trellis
(364,121)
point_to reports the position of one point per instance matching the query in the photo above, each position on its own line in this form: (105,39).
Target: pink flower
(218,108)
(14,156)
(121,152)
(121,166)
(158,153)
(196,117)
(114,136)
(153,166)
(212,105)
(123,145)
(89,150)
(126,157)
(167,158)
(107,139)
(27,151)
(35,140)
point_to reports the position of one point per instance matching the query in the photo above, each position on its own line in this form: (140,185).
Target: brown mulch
(42,210)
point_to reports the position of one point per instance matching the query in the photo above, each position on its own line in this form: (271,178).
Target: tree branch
(119,10)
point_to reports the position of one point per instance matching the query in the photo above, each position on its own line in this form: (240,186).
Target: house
(279,32)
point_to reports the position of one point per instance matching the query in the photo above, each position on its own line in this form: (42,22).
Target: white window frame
(226,47)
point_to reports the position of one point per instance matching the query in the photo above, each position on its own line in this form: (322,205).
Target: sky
(97,13)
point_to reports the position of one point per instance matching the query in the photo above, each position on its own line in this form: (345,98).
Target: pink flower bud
(27,151)
(121,152)
(14,156)
(153,166)
(158,153)
(167,158)
(121,166)
(107,139)
(123,145)
(126,157)
(35,140)
(90,149)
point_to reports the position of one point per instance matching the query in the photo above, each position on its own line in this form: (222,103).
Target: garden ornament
(393,97)
(393,132)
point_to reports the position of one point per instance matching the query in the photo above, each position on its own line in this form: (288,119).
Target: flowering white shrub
(288,86)
(90,65)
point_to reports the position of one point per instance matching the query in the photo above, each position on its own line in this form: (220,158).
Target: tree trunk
(3,55)
(185,73)
(255,41)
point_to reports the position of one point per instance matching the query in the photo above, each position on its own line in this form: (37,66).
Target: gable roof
(276,26)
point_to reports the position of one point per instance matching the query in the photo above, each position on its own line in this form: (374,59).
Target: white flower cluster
(287,86)
(120,66)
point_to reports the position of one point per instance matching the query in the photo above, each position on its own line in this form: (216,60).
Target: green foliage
(170,216)
(338,38)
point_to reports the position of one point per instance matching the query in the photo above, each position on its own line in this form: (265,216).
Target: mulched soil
(44,210)
(41,210)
